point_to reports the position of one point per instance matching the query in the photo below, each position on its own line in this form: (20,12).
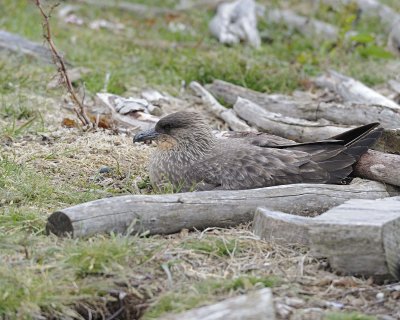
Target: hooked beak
(147,135)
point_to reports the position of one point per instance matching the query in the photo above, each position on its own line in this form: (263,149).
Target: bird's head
(178,130)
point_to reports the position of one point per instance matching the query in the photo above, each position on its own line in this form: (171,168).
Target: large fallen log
(307,108)
(164,214)
(285,126)
(354,91)
(358,237)
(16,43)
(254,305)
(379,166)
(228,115)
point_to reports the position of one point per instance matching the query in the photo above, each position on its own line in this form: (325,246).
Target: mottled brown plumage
(190,157)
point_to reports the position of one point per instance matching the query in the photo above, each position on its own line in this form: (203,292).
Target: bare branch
(79,107)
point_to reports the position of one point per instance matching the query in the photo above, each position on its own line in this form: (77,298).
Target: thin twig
(79,106)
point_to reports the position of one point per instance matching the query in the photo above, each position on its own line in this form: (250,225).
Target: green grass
(218,247)
(41,275)
(348,316)
(279,66)
(202,293)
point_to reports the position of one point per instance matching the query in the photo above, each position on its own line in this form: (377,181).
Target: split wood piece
(133,118)
(353,91)
(378,166)
(253,305)
(165,214)
(360,237)
(305,25)
(284,126)
(307,108)
(16,43)
(228,115)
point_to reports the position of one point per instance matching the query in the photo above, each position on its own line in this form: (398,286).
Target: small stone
(105,169)
(380,296)
(294,302)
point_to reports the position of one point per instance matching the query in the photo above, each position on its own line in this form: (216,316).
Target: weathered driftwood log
(285,126)
(254,305)
(308,26)
(164,214)
(354,91)
(358,237)
(307,108)
(15,43)
(236,21)
(228,115)
(379,166)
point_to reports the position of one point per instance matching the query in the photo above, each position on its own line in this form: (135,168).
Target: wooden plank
(282,228)
(360,237)
(163,214)
(254,305)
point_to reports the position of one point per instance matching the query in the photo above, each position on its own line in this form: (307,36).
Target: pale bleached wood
(16,43)
(307,26)
(130,119)
(285,126)
(282,228)
(353,91)
(228,115)
(253,305)
(308,108)
(359,237)
(379,166)
(164,214)
(236,21)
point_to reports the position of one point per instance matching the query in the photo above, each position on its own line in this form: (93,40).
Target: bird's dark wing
(260,139)
(245,166)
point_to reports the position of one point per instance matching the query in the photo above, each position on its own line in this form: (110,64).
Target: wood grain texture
(164,214)
(285,126)
(254,305)
(305,107)
(228,115)
(379,166)
(360,237)
(354,91)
